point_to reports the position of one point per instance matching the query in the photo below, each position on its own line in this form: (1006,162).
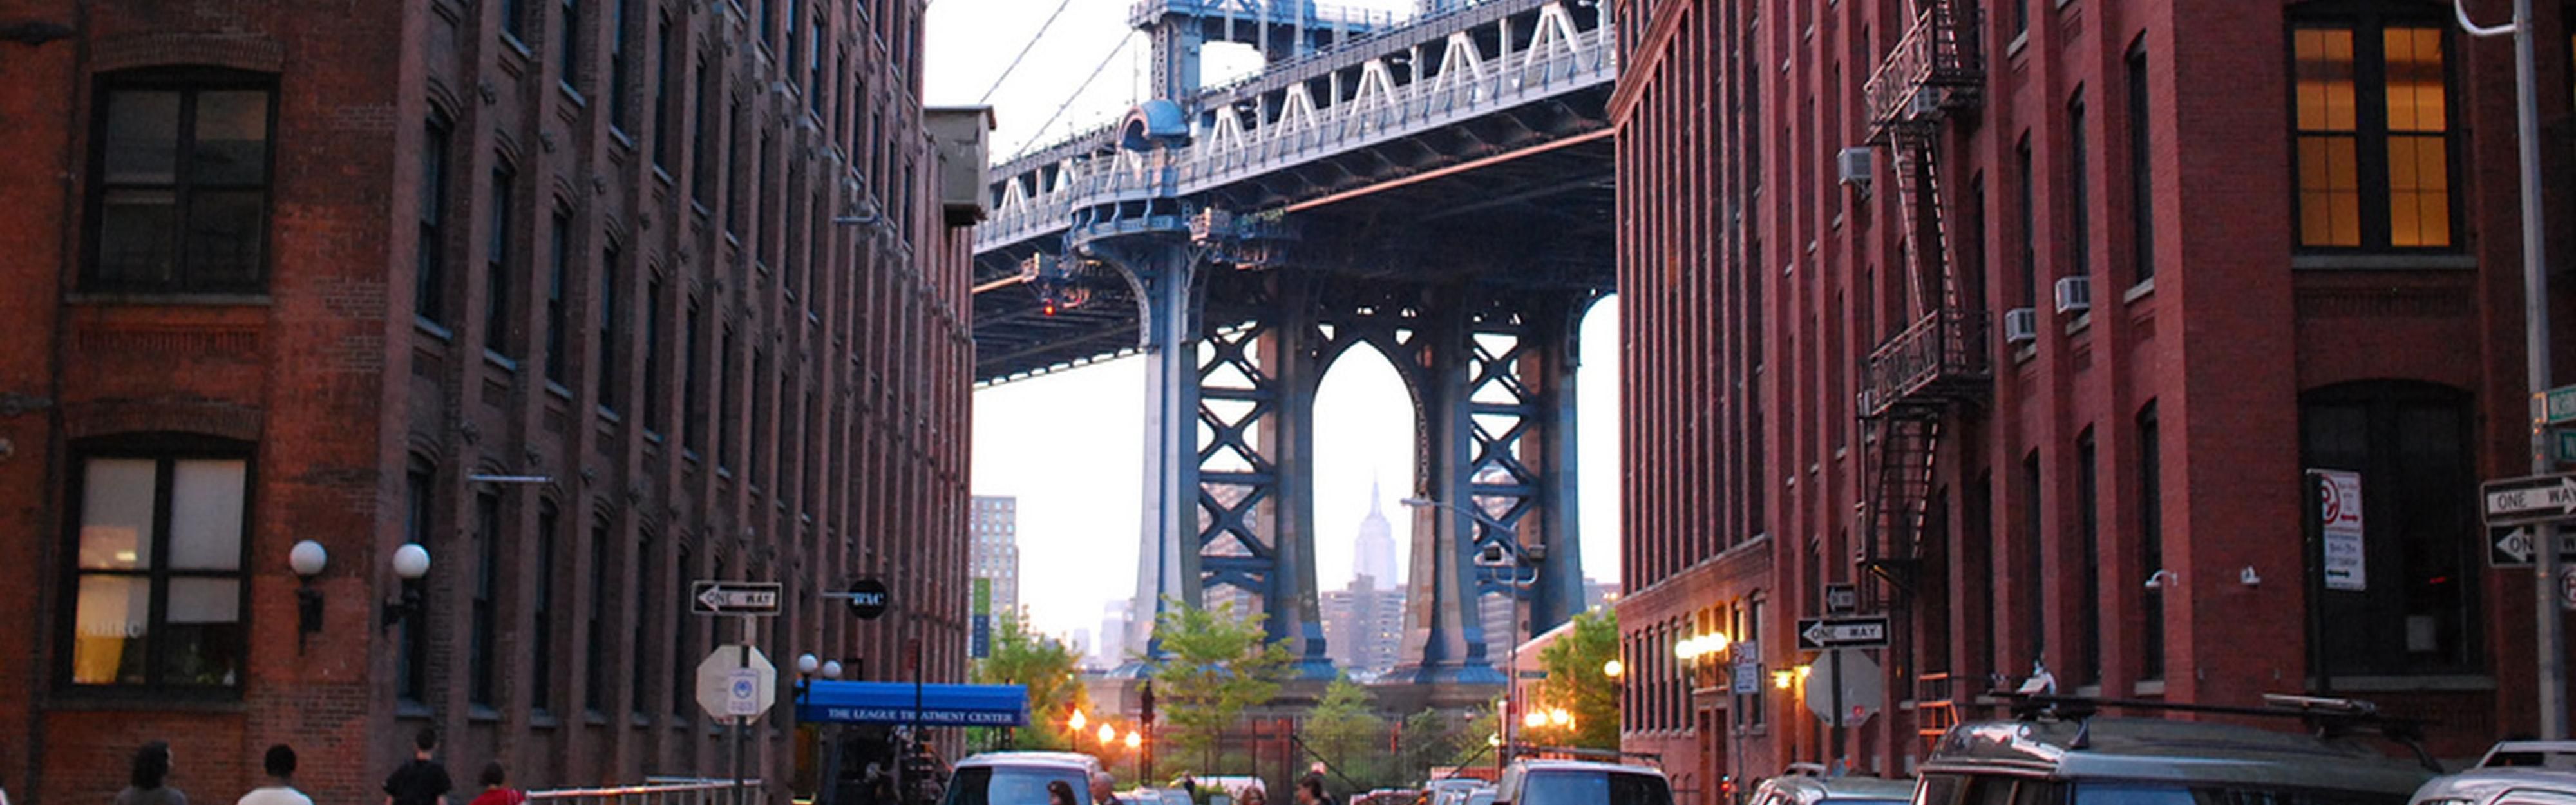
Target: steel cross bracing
(1438,190)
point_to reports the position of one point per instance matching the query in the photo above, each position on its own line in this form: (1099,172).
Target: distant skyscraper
(1363,625)
(1598,594)
(1373,556)
(1079,643)
(995,525)
(1112,643)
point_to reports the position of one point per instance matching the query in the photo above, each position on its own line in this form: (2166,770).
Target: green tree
(1476,740)
(1050,671)
(1577,683)
(1345,729)
(1214,665)
(1425,740)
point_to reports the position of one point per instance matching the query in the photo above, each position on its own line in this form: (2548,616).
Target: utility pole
(2547,641)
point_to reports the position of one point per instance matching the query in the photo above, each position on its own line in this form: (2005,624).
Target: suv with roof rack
(2056,751)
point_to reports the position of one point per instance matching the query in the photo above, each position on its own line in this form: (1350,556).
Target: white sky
(1069,445)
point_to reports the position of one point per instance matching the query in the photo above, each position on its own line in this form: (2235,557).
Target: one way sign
(2536,499)
(710,597)
(2516,546)
(1818,634)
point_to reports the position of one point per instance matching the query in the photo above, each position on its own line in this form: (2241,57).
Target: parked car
(1018,778)
(1579,782)
(1450,790)
(1816,789)
(2545,754)
(2505,785)
(1481,796)
(2068,756)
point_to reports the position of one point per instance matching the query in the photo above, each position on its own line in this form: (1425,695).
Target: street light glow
(1534,720)
(1560,717)
(1077,721)
(1613,668)
(1135,739)
(1107,734)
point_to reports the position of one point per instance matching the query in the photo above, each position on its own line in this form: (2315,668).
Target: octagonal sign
(737,682)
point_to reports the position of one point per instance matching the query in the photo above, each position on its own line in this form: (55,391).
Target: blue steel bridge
(1438,188)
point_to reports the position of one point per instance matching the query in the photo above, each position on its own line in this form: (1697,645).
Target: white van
(1018,778)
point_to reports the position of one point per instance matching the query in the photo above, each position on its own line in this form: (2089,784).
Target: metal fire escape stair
(1939,365)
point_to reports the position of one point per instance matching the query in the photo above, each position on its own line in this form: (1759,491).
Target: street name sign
(1818,634)
(751,598)
(2564,441)
(2558,405)
(2534,499)
(736,682)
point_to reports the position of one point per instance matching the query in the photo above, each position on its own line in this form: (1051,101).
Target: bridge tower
(1279,29)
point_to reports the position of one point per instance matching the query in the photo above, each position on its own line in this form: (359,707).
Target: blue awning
(829,702)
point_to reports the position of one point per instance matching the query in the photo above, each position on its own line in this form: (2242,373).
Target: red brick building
(297,270)
(1997,308)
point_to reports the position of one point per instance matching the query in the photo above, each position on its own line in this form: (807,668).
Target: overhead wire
(1024,51)
(1077,91)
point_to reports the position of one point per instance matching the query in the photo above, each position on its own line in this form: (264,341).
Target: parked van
(1018,778)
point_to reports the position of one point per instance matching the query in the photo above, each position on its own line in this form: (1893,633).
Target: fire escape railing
(1936,68)
(1939,360)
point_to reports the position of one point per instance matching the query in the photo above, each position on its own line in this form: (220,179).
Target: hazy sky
(1069,445)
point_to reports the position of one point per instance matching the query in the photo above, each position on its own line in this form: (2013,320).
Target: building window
(2088,616)
(181,201)
(818,84)
(541,639)
(568,45)
(558,271)
(429,264)
(693,411)
(701,135)
(642,612)
(684,669)
(729,429)
(610,318)
(514,20)
(2079,206)
(2142,168)
(2373,128)
(657,306)
(496,264)
(2151,543)
(411,666)
(487,569)
(2028,209)
(159,572)
(621,112)
(2411,442)
(2033,527)
(666,42)
(594,679)
(765,164)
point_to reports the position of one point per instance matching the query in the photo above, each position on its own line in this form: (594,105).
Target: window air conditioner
(2074,294)
(2021,325)
(1853,166)
(1924,102)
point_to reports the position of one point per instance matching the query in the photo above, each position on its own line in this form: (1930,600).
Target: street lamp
(307,559)
(831,669)
(1077,721)
(1512,556)
(411,562)
(1108,735)
(1613,668)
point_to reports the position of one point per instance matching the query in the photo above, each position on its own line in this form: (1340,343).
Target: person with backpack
(496,788)
(148,783)
(422,781)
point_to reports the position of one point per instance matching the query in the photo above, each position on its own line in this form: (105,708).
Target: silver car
(2500,786)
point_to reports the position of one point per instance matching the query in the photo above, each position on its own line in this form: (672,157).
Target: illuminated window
(159,578)
(2373,128)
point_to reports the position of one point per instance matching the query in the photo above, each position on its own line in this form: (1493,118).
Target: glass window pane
(225,230)
(142,137)
(232,138)
(2419,198)
(203,639)
(2324,72)
(2329,192)
(134,237)
(116,514)
(113,618)
(206,503)
(2415,91)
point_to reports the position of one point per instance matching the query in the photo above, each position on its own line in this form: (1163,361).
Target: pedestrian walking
(1310,791)
(496,787)
(1060,792)
(422,781)
(1101,784)
(280,790)
(149,782)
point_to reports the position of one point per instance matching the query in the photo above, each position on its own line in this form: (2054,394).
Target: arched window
(158,537)
(2418,610)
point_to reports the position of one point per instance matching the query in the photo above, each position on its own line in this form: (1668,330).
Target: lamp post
(1503,557)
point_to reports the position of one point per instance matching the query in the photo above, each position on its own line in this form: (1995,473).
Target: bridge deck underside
(1542,219)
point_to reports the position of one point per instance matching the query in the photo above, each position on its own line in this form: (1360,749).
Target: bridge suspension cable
(1039,134)
(1024,51)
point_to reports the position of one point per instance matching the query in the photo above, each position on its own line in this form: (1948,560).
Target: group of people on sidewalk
(420,781)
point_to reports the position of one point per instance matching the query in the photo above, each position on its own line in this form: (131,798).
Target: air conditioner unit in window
(1925,102)
(2074,294)
(1853,166)
(2021,325)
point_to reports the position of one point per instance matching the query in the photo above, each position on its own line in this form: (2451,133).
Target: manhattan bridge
(1437,188)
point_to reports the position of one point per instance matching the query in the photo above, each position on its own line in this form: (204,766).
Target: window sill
(413,708)
(2020,41)
(2384,262)
(558,390)
(2151,687)
(500,361)
(2022,354)
(145,298)
(2425,682)
(516,46)
(482,713)
(609,415)
(571,95)
(222,703)
(2083,321)
(432,329)
(2144,288)
(639,720)
(594,718)
(544,720)
(619,136)
(662,175)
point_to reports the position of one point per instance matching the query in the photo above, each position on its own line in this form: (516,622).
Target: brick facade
(1754,286)
(831,443)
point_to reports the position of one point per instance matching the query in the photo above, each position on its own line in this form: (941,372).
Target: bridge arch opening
(1365,427)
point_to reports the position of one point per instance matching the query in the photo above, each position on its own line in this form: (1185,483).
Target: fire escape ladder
(1908,451)
(1928,268)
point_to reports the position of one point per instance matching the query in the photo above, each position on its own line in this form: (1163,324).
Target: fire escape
(1939,367)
